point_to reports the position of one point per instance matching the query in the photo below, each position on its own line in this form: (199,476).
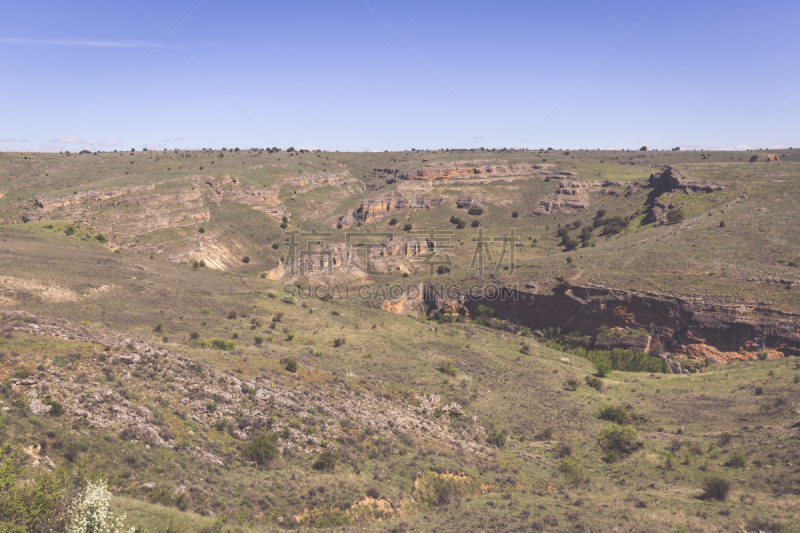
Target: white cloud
(153,146)
(6,140)
(91,142)
(744,147)
(781,145)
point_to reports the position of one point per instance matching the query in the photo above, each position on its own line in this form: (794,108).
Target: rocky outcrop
(376,209)
(49,204)
(468,203)
(307,182)
(445,171)
(694,328)
(672,179)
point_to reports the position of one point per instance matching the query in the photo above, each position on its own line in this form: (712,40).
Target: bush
(258,340)
(603,368)
(326,460)
(393,222)
(275,245)
(159,327)
(447,366)
(89,512)
(716,488)
(674,216)
(291,365)
(737,460)
(594,382)
(496,438)
(762,355)
(56,409)
(722,224)
(618,439)
(222,344)
(407,227)
(753,158)
(245,259)
(515,215)
(263,448)
(573,472)
(601,213)
(475,211)
(618,415)
(338,342)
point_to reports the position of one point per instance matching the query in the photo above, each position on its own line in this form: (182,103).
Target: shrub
(258,340)
(737,460)
(722,224)
(515,215)
(201,230)
(194,335)
(100,237)
(275,245)
(618,415)
(496,438)
(601,213)
(291,365)
(475,211)
(561,232)
(475,223)
(338,342)
(56,409)
(245,259)
(603,369)
(716,488)
(393,222)
(407,227)
(222,344)
(762,355)
(89,512)
(159,327)
(753,158)
(447,366)
(263,448)
(326,460)
(674,216)
(572,384)
(758,391)
(620,439)
(572,471)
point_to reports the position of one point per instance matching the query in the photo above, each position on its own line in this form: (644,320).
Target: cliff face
(692,328)
(375,209)
(673,179)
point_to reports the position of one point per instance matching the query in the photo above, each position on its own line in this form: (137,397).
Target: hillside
(153,334)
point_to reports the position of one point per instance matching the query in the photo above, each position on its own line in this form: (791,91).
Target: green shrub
(475,223)
(393,222)
(601,213)
(159,327)
(762,355)
(291,365)
(594,382)
(222,344)
(753,158)
(56,409)
(447,366)
(573,472)
(618,440)
(496,438)
(737,460)
(326,460)
(515,215)
(675,216)
(603,368)
(258,340)
(407,227)
(475,211)
(263,448)
(618,415)
(335,313)
(716,488)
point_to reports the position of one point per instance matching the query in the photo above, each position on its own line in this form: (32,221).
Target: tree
(291,365)
(407,227)
(393,222)
(263,448)
(675,216)
(515,214)
(475,211)
(245,259)
(601,213)
(475,223)
(643,149)
(722,224)
(753,158)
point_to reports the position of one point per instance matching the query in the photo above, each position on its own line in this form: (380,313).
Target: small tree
(515,214)
(326,460)
(675,216)
(263,448)
(753,158)
(601,213)
(291,365)
(722,224)
(393,222)
(407,227)
(496,438)
(716,488)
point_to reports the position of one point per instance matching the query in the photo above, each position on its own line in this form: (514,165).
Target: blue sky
(336,75)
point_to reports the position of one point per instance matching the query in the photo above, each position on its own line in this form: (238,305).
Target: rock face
(625,339)
(49,204)
(375,209)
(673,179)
(447,171)
(693,328)
(572,196)
(308,182)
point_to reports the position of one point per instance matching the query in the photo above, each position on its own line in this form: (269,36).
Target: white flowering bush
(89,512)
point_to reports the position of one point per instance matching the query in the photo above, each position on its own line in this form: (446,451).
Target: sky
(360,75)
